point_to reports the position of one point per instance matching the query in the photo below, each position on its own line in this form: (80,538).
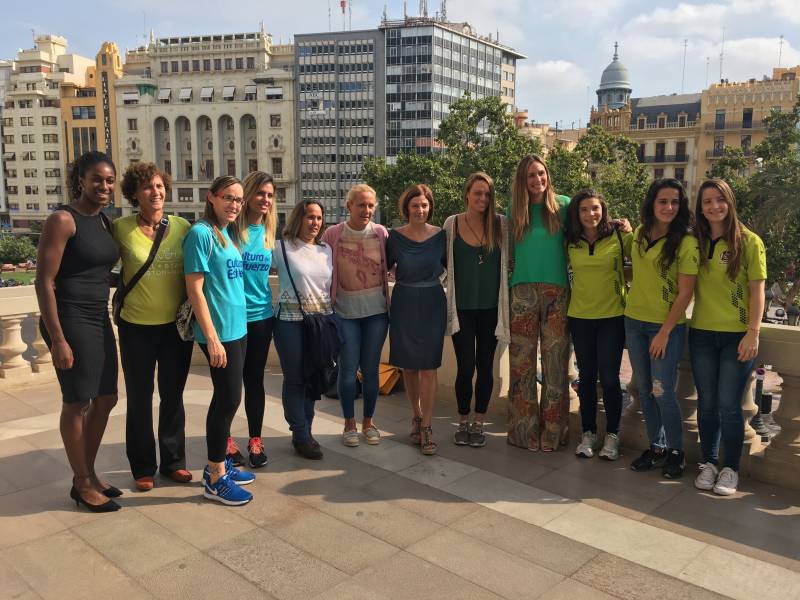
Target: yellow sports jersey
(722,304)
(156,297)
(654,287)
(598,280)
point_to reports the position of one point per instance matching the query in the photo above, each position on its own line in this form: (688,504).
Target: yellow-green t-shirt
(598,280)
(654,287)
(722,304)
(539,256)
(157,295)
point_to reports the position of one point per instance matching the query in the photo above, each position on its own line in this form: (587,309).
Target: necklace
(481,240)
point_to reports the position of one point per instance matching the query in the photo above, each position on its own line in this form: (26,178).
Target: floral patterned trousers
(538,318)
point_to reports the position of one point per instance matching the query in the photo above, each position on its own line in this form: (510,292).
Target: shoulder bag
(118,299)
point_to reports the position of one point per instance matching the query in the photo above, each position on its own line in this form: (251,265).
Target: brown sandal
(416,427)
(428,446)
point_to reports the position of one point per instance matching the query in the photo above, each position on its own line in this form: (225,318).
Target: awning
(250,89)
(228,92)
(164,93)
(186,94)
(274,91)
(130,96)
(207,92)
(9,156)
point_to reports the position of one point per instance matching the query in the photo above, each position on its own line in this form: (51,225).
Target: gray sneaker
(610,449)
(477,439)
(461,437)
(587,446)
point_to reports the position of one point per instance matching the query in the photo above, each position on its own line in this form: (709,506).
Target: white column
(13,365)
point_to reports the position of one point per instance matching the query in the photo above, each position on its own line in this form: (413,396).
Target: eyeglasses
(228,199)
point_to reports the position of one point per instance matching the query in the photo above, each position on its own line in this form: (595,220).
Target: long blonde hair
(491,224)
(520,200)
(219,184)
(734,232)
(252,184)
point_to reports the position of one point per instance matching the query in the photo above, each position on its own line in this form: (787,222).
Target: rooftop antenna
(350,16)
(722,54)
(423,8)
(708,64)
(385,12)
(616,51)
(405,9)
(683,73)
(343,4)
(780,51)
(329,16)
(443,10)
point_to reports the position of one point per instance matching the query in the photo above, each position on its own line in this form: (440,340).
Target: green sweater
(540,257)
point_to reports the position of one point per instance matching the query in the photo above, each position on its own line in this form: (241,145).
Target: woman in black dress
(76,254)
(418,311)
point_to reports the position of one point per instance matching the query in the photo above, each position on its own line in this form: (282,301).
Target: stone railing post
(632,428)
(752,441)
(42,362)
(687,399)
(13,366)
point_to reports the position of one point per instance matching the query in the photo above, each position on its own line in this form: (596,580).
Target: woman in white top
(311,266)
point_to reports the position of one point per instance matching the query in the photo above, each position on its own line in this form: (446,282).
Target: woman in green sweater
(539,300)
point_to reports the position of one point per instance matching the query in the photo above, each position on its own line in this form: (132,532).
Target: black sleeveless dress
(81,289)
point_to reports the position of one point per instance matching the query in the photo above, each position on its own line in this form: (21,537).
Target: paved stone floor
(380,521)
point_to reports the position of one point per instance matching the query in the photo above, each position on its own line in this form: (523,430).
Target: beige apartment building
(208,105)
(733,113)
(33,155)
(681,135)
(550,137)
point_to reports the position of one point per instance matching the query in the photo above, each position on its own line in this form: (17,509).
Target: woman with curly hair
(146,324)
(665,263)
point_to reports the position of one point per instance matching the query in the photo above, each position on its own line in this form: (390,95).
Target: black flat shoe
(307,450)
(112,492)
(109,506)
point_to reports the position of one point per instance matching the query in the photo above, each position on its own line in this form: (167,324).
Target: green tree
(477,135)
(733,167)
(16,250)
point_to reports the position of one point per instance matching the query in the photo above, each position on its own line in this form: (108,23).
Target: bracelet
(756,329)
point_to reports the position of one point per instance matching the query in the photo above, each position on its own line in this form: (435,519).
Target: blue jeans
(656,380)
(720,379)
(363,341)
(298,408)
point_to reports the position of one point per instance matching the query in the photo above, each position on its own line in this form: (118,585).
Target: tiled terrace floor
(380,522)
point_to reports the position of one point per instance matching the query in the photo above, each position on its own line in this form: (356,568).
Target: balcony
(734,126)
(670,125)
(665,158)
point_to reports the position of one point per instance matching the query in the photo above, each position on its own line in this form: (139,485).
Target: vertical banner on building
(106,115)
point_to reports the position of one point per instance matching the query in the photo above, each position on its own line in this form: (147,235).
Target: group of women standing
(549,273)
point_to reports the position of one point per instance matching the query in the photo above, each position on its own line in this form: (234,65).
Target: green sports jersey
(598,280)
(722,304)
(654,287)
(539,256)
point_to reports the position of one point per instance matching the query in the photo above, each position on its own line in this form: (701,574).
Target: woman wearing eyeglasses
(214,274)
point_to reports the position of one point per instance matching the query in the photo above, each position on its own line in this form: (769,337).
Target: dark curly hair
(139,174)
(81,166)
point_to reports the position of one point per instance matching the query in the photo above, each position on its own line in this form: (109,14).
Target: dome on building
(615,83)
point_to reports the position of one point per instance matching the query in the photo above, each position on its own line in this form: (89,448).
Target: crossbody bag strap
(291,279)
(164,223)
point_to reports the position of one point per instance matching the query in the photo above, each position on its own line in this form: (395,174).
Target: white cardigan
(503,329)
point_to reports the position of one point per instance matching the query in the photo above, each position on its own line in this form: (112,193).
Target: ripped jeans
(657,380)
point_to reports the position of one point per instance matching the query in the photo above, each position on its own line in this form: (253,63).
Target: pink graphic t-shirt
(360,274)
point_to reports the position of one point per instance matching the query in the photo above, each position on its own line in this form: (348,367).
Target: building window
(11,173)
(174,66)
(185,195)
(229,123)
(274,93)
(680,151)
(195,65)
(8,122)
(49,120)
(277,167)
(239,63)
(250,93)
(206,64)
(218,64)
(84,112)
(719,119)
(26,121)
(280,194)
(30,172)
(662,122)
(228,64)
(719,145)
(50,138)
(53,190)
(251,122)
(251,62)
(681,120)
(30,155)
(164,67)
(31,190)
(51,155)
(185,66)
(747,141)
(32,206)
(274,120)
(28,138)
(56,173)
(25,103)
(658,173)
(680,174)
(12,190)
(8,139)
(132,125)
(642,123)
(747,118)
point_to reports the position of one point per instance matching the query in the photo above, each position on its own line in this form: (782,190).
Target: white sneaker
(587,446)
(610,449)
(727,482)
(707,476)
(350,438)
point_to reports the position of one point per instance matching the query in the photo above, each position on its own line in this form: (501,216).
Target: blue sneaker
(225,490)
(240,477)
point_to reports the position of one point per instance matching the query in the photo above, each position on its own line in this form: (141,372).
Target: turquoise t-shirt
(540,256)
(223,284)
(257,261)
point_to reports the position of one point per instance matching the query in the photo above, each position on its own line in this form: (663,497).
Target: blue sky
(568,42)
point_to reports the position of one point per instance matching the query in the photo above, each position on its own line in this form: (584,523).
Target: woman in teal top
(596,249)
(214,273)
(539,298)
(256,227)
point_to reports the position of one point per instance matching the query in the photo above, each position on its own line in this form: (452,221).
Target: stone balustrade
(25,358)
